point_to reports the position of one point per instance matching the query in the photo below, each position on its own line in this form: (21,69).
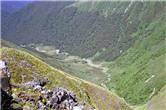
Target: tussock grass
(92,94)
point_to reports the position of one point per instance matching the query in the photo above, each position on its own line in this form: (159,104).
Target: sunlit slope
(158,102)
(81,70)
(23,64)
(140,71)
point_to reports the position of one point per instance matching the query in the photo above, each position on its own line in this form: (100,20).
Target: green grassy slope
(74,68)
(141,69)
(158,102)
(90,93)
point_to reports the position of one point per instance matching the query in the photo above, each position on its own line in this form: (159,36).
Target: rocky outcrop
(28,97)
(57,99)
(6,98)
(5,76)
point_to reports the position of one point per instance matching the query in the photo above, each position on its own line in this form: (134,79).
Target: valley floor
(83,68)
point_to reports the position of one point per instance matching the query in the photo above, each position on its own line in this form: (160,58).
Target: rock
(14,96)
(6,100)
(62,99)
(4,68)
(5,77)
(78,107)
(38,87)
(26,107)
(37,84)
(58,98)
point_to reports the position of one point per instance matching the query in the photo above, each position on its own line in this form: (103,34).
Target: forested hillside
(8,8)
(86,29)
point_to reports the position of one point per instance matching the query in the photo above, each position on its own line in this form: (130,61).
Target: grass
(22,63)
(134,67)
(73,67)
(78,69)
(105,6)
(158,102)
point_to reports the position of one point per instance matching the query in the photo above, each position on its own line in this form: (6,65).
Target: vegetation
(81,28)
(74,67)
(141,69)
(129,35)
(23,64)
(159,97)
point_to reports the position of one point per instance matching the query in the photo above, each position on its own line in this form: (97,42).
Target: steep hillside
(140,71)
(24,67)
(73,65)
(86,29)
(11,6)
(129,35)
(158,102)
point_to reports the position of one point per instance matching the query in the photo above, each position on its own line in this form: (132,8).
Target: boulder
(5,77)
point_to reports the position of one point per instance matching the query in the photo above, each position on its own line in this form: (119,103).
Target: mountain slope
(103,28)
(13,6)
(9,7)
(75,67)
(158,102)
(131,34)
(140,70)
(24,64)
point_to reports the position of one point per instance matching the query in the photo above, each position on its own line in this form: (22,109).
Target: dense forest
(103,30)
